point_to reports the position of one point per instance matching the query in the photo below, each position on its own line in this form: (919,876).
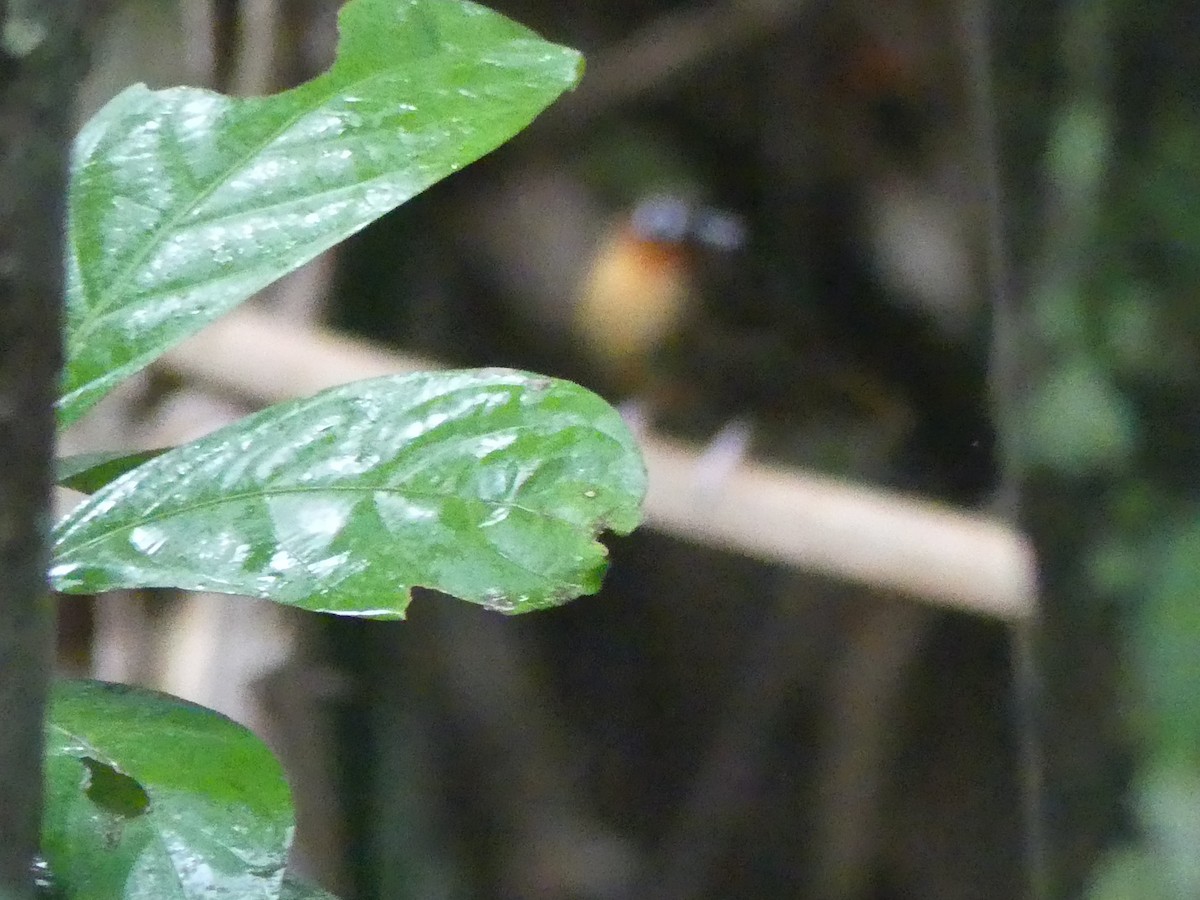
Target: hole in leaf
(114,791)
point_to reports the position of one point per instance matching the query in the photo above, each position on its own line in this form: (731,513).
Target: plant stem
(39,68)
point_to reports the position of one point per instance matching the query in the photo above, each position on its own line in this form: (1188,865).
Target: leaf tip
(580,68)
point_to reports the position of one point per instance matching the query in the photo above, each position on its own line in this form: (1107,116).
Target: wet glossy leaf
(184,202)
(88,472)
(490,485)
(152,798)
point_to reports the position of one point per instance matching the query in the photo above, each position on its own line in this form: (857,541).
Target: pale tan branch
(943,556)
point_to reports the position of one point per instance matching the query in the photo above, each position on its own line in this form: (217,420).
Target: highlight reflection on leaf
(490,485)
(148,796)
(183,202)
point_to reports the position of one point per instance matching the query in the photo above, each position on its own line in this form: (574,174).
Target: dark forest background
(966,275)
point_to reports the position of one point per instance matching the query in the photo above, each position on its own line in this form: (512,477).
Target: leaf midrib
(121,281)
(253,495)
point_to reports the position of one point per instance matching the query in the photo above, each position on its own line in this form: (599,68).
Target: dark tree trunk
(40,63)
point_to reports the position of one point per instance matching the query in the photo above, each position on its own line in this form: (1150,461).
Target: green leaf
(490,485)
(295,889)
(152,798)
(1163,645)
(1131,873)
(1079,422)
(183,202)
(1169,809)
(88,472)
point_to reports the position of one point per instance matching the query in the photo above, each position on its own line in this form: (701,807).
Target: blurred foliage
(1110,447)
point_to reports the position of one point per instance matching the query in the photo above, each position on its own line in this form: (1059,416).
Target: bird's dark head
(673,220)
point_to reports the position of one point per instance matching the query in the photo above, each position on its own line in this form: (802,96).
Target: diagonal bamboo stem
(931,552)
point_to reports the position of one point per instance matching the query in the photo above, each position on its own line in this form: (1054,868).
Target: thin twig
(668,50)
(255,68)
(198,21)
(1008,378)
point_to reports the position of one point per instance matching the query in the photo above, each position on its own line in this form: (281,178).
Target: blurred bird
(639,302)
(640,292)
(636,293)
